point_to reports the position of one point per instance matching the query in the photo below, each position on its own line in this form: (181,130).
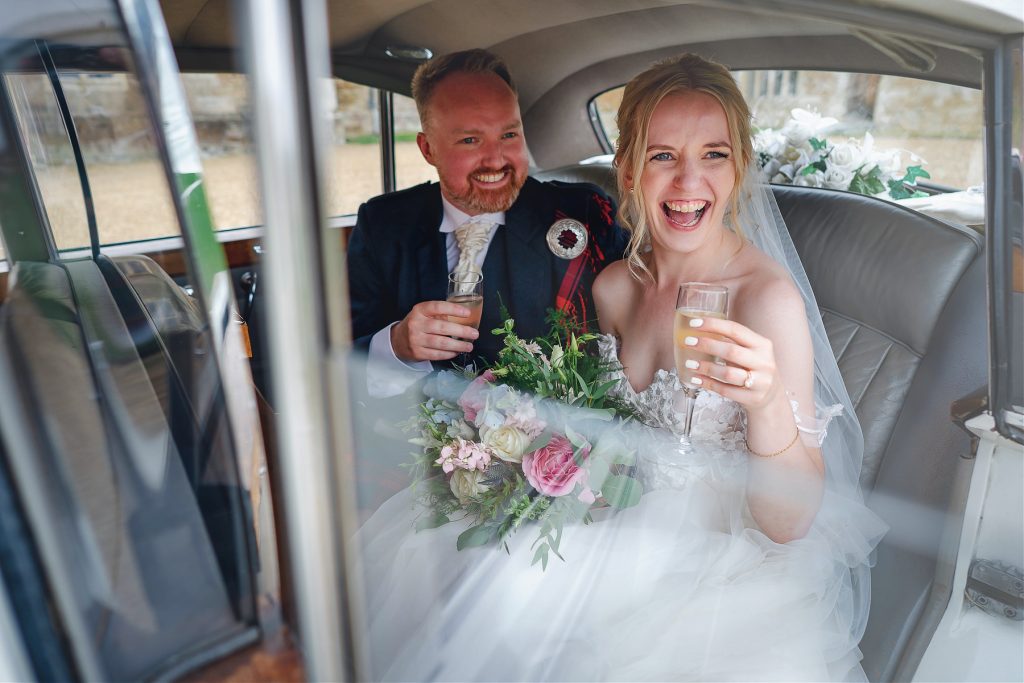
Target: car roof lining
(547,45)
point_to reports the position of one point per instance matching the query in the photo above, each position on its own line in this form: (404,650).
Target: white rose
(771,168)
(815,179)
(837,178)
(466,484)
(846,156)
(797,133)
(508,443)
(795,155)
(769,142)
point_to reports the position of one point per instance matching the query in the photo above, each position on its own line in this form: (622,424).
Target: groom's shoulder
(587,203)
(572,192)
(408,200)
(401,199)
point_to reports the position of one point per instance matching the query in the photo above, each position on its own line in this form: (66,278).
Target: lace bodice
(717,432)
(714,417)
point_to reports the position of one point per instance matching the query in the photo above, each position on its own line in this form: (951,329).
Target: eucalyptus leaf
(541,441)
(575,438)
(541,555)
(481,534)
(431,521)
(621,491)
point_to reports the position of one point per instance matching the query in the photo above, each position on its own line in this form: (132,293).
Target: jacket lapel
(532,271)
(430,253)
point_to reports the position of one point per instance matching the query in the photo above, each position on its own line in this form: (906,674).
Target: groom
(485,216)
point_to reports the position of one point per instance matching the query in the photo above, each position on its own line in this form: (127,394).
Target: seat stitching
(849,340)
(874,373)
(882,334)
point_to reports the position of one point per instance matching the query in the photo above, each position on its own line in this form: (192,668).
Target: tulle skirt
(682,586)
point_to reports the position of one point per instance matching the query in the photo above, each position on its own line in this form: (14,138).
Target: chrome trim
(386,123)
(286,53)
(1002,216)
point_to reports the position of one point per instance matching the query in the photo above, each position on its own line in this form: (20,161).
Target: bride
(746,559)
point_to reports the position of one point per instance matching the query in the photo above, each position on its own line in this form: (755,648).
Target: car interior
(902,295)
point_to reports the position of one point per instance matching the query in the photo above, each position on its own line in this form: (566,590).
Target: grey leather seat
(903,299)
(902,296)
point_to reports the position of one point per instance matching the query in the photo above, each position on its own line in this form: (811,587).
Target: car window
(110,122)
(410,166)
(878,116)
(53,162)
(115,420)
(129,188)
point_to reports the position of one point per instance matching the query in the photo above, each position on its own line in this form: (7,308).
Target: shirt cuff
(387,374)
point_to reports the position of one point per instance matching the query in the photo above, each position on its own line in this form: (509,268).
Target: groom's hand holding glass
(427,332)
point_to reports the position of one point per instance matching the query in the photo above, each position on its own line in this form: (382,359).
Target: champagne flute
(695,300)
(467,290)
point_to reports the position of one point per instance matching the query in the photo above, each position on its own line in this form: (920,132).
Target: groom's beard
(483,200)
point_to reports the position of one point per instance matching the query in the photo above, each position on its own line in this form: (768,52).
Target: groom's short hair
(429,74)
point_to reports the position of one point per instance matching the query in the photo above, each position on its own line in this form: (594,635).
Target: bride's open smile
(689,174)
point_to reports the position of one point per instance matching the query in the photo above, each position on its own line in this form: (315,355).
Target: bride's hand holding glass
(743,367)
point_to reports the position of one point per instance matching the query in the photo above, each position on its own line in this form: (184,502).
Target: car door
(137,539)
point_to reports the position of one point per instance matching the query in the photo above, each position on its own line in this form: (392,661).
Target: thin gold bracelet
(772,455)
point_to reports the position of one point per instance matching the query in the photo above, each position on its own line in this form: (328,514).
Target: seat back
(903,299)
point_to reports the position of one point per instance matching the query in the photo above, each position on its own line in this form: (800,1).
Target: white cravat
(472,236)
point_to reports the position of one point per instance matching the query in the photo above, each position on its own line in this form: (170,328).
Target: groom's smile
(473,136)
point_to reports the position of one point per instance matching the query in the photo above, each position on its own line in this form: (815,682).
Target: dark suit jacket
(397,258)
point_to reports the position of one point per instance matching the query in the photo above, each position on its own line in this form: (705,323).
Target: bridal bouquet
(533,439)
(799,154)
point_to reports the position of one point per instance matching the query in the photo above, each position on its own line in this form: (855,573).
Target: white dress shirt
(386,373)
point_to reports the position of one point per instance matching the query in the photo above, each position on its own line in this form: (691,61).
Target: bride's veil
(842,515)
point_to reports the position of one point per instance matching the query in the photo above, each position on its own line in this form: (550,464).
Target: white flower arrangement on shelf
(799,154)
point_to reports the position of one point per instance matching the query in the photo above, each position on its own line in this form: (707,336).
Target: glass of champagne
(467,290)
(695,300)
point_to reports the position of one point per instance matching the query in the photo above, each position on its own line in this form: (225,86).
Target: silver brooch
(567,238)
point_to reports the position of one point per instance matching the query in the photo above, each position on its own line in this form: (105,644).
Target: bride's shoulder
(613,291)
(767,290)
(612,275)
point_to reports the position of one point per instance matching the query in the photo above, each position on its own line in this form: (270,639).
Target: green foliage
(867,182)
(558,365)
(541,377)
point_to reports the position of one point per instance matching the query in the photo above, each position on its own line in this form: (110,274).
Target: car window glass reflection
(125,174)
(53,162)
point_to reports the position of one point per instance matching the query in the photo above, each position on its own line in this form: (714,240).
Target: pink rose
(552,470)
(473,398)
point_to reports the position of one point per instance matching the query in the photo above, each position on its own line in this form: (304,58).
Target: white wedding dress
(683,586)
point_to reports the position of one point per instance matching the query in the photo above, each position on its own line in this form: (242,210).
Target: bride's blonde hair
(676,75)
